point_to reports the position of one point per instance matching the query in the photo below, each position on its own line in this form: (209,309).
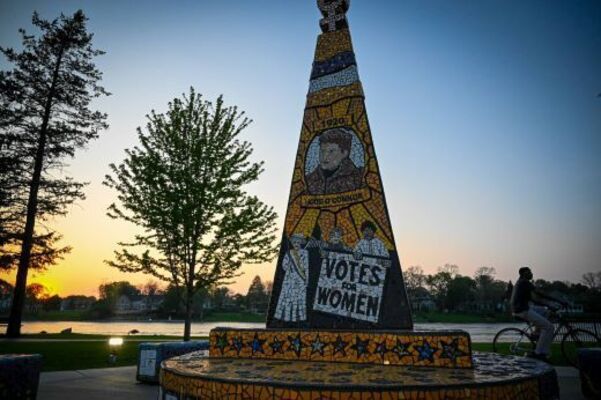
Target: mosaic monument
(339,323)
(338,265)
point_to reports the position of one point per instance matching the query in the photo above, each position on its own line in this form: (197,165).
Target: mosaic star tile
(376,347)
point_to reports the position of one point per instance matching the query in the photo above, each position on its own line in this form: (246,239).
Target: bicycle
(520,342)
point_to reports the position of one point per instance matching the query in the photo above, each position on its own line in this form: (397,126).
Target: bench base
(194,376)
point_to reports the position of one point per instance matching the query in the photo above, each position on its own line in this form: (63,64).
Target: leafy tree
(460,292)
(485,275)
(414,278)
(172,301)
(6,289)
(450,269)
(36,291)
(45,117)
(239,301)
(101,309)
(222,296)
(110,292)
(52,303)
(185,187)
(151,288)
(439,286)
(35,294)
(489,292)
(256,297)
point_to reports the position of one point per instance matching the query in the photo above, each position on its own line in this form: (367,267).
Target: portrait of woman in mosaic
(334,162)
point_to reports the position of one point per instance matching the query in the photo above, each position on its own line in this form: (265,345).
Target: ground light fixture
(114,344)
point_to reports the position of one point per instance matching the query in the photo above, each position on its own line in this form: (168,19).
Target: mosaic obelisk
(338,265)
(339,324)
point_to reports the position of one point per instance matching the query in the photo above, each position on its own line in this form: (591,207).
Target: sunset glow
(486,129)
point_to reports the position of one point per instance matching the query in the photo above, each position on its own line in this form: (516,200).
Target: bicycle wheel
(513,341)
(576,339)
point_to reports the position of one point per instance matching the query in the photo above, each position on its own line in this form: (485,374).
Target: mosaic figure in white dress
(292,302)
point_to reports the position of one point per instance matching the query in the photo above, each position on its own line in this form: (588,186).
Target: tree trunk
(16,311)
(188,320)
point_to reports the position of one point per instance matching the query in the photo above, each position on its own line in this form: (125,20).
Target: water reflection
(481,332)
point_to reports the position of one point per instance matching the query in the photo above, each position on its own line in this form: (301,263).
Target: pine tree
(256,297)
(184,186)
(45,117)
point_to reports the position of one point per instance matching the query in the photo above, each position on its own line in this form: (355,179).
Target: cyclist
(521,297)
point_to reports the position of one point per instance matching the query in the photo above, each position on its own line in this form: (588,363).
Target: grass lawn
(63,354)
(82,352)
(60,356)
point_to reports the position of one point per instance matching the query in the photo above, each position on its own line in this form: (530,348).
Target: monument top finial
(334,14)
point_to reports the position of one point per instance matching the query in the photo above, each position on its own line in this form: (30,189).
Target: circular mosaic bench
(194,376)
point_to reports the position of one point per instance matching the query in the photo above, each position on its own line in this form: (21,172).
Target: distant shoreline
(421,317)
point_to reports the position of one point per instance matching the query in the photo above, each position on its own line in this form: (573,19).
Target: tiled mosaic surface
(344,77)
(332,65)
(427,349)
(334,14)
(494,377)
(338,265)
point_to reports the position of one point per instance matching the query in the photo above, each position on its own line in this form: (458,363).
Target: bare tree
(451,269)
(414,278)
(592,280)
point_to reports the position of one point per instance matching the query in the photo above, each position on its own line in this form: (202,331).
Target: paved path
(120,384)
(95,384)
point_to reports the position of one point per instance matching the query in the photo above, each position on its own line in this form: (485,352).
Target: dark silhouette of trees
(257,298)
(414,278)
(222,296)
(461,292)
(45,117)
(185,187)
(110,292)
(439,287)
(592,280)
(489,291)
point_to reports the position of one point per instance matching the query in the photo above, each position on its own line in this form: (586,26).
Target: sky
(485,116)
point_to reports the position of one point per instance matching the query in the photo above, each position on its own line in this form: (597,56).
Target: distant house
(421,300)
(5,303)
(6,295)
(207,303)
(138,304)
(80,303)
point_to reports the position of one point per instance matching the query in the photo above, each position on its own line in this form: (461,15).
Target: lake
(479,332)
